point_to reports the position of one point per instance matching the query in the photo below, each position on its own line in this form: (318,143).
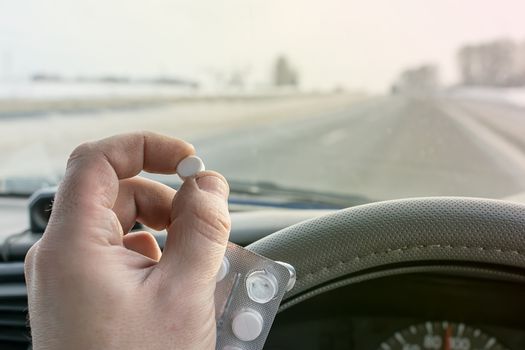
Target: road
(380,148)
(383,149)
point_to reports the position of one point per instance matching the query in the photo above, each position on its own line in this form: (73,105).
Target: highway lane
(383,149)
(380,148)
(39,144)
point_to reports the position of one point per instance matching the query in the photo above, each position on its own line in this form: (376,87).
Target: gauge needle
(448,334)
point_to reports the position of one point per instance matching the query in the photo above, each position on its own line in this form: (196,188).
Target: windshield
(366,99)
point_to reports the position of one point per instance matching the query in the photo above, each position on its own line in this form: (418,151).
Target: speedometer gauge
(441,336)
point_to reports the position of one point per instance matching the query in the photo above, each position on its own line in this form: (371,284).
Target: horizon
(355,44)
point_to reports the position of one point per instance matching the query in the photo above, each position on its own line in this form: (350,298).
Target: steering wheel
(463,236)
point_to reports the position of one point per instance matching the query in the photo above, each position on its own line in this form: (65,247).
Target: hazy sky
(360,44)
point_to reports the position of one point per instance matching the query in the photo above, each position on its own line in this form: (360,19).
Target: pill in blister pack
(248,293)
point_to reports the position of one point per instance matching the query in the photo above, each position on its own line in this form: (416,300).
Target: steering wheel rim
(454,234)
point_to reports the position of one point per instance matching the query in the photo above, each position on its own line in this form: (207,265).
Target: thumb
(199,229)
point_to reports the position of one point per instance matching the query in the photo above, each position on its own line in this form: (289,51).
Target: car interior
(368,277)
(378,148)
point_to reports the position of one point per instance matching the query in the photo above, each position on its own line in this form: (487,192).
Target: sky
(356,44)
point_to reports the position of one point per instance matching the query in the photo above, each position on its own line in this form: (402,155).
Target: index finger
(94,168)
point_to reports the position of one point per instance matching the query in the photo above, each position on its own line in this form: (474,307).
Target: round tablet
(247,325)
(293,275)
(190,166)
(261,286)
(223,270)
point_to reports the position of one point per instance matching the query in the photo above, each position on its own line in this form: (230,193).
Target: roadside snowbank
(514,96)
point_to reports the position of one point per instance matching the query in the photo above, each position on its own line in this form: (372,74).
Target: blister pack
(248,293)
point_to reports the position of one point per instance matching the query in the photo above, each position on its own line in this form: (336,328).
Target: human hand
(93,285)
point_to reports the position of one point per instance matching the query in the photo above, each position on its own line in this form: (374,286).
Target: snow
(513,96)
(59,90)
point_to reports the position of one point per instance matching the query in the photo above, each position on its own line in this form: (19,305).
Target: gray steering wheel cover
(413,231)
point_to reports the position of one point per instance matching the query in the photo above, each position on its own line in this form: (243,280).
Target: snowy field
(24,89)
(29,98)
(513,96)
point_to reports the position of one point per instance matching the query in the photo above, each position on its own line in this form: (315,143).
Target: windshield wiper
(269,194)
(243,193)
(282,196)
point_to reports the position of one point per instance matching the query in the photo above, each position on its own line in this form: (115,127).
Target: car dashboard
(413,311)
(409,312)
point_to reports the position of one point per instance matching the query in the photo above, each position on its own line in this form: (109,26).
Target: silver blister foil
(247,299)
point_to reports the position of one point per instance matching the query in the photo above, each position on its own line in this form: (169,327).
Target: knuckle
(39,255)
(214,213)
(30,258)
(212,222)
(203,214)
(40,259)
(224,220)
(82,150)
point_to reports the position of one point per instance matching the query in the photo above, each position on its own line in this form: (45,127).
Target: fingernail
(213,184)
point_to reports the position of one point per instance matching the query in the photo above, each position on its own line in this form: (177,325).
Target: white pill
(224,269)
(247,325)
(261,286)
(190,166)
(293,275)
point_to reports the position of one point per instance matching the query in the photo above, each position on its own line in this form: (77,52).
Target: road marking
(400,338)
(461,328)
(333,137)
(489,344)
(428,325)
(507,149)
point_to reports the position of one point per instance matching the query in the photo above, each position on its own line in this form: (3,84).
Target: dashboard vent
(14,332)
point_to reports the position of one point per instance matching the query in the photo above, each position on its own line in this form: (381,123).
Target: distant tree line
(115,79)
(420,79)
(495,63)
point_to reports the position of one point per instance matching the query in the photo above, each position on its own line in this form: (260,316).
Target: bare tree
(494,63)
(284,74)
(421,79)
